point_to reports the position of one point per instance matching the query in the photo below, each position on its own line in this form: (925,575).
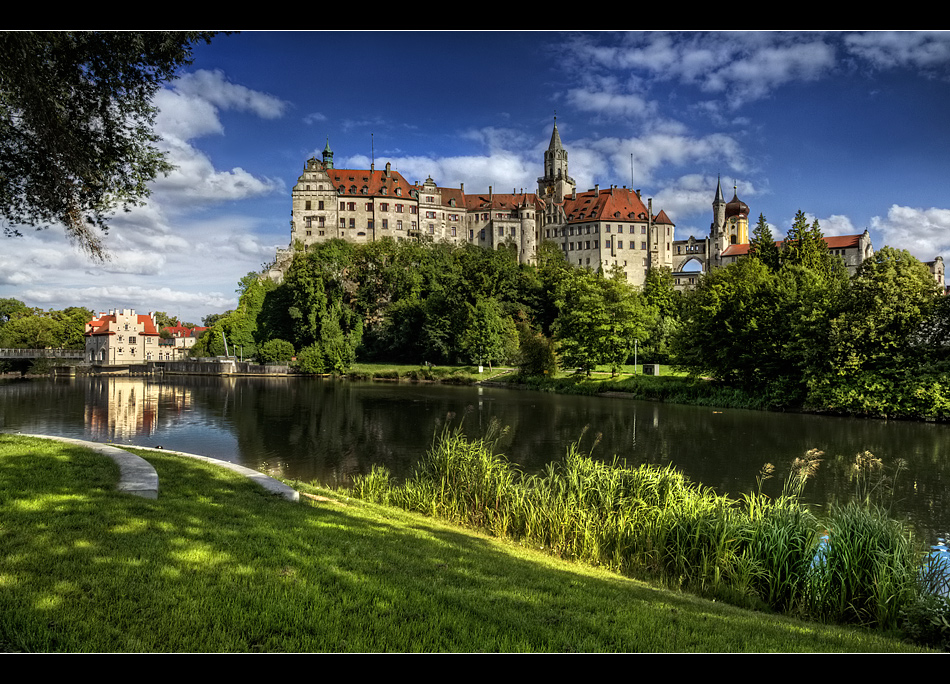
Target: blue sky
(851,128)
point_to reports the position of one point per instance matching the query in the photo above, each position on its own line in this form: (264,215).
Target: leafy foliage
(599,318)
(76,124)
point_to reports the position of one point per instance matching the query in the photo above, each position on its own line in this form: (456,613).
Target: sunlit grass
(654,523)
(217,564)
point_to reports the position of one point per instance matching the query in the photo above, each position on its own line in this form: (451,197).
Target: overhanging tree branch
(76,125)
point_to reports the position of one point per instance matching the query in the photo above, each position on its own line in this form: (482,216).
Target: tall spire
(328,155)
(555,138)
(718,189)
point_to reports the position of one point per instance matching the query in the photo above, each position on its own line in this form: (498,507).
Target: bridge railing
(42,353)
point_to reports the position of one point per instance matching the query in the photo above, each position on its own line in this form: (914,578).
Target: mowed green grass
(218,565)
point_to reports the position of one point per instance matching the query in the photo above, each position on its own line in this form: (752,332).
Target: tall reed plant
(653,522)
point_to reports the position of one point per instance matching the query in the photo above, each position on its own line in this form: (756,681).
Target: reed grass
(654,523)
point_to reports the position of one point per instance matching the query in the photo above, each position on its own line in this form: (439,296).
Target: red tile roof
(833,242)
(481,201)
(353,181)
(619,204)
(184,331)
(102,325)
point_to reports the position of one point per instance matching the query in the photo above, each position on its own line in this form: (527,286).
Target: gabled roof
(353,182)
(619,204)
(103,325)
(184,331)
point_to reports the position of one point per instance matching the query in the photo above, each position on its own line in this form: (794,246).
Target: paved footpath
(138,477)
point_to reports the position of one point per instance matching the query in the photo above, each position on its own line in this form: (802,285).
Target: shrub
(275,351)
(311,360)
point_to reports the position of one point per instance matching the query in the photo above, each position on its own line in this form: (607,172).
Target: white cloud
(925,233)
(190,109)
(837,224)
(889,49)
(747,65)
(214,88)
(611,103)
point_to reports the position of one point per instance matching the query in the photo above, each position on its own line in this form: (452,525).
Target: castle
(599,228)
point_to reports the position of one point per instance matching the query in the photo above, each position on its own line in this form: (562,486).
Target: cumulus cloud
(837,224)
(925,233)
(214,88)
(190,109)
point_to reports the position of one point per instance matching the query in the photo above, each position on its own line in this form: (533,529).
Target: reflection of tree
(314,429)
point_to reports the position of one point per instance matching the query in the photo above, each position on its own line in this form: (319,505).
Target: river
(328,430)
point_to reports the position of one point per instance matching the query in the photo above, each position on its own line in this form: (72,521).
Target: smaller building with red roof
(121,337)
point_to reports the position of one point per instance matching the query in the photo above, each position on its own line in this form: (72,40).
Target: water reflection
(329,430)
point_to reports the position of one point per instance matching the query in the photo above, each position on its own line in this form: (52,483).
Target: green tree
(876,361)
(275,351)
(163,320)
(9,308)
(76,124)
(805,245)
(661,295)
(32,332)
(762,245)
(489,334)
(729,326)
(598,319)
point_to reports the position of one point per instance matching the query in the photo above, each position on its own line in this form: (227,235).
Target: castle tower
(737,221)
(327,155)
(555,184)
(730,225)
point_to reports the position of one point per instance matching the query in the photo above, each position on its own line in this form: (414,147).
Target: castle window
(307,205)
(384,207)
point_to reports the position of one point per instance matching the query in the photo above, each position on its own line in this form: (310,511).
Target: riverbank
(85,568)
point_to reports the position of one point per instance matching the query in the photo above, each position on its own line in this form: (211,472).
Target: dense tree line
(24,327)
(417,302)
(786,324)
(791,325)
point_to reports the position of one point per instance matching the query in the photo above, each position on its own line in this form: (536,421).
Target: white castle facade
(599,228)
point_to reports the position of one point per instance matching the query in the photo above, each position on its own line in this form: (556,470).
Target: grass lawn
(216,564)
(393,371)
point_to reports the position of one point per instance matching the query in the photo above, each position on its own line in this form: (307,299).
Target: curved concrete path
(138,477)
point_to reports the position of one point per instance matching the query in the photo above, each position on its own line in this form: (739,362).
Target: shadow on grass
(218,565)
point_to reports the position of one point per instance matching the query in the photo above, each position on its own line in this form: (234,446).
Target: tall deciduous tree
(76,124)
(598,319)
